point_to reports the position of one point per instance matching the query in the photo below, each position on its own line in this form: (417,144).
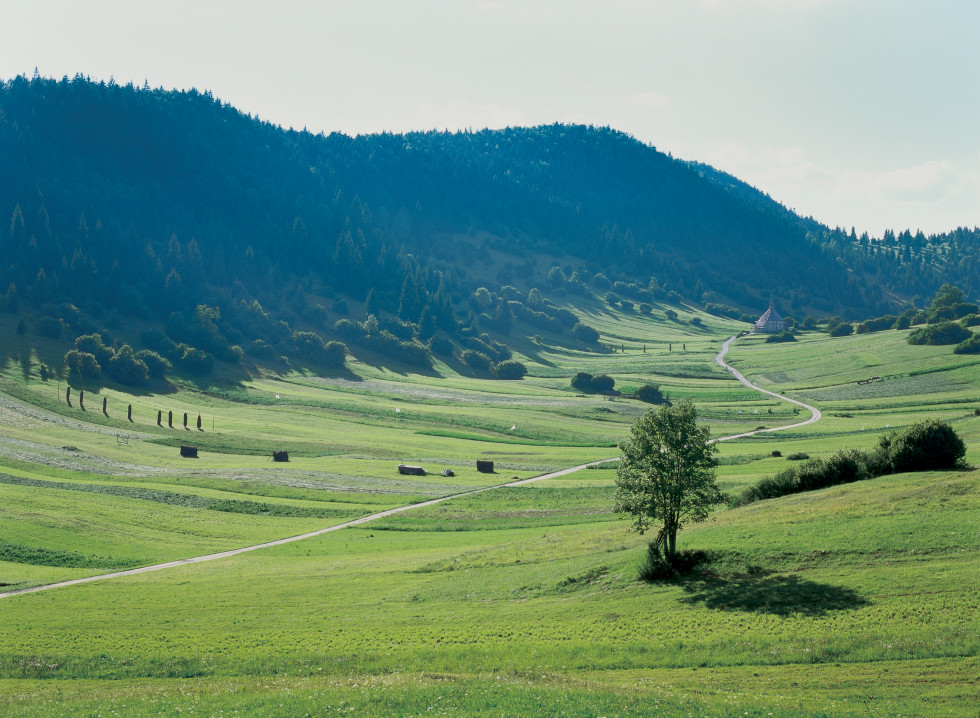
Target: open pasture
(854,600)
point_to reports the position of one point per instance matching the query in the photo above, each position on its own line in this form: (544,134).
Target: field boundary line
(719,359)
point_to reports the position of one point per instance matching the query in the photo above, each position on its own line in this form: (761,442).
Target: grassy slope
(854,599)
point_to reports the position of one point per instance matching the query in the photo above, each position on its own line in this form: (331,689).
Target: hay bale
(448,472)
(188,452)
(409,470)
(484,467)
(280,456)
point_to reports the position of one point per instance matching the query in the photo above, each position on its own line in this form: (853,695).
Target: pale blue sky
(861,113)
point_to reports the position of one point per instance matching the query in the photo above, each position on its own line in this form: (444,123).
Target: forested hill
(151,201)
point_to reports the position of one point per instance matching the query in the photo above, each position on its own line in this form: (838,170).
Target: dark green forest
(217,232)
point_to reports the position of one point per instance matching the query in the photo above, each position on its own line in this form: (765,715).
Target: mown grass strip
(507,440)
(189,500)
(16,553)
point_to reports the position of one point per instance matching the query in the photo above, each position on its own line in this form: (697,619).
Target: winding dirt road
(719,359)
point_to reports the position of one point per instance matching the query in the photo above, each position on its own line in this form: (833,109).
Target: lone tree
(666,473)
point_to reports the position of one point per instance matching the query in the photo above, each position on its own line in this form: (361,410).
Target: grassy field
(854,600)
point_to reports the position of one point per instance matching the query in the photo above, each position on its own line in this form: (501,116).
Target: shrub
(82,365)
(510,370)
(583,382)
(589,384)
(585,333)
(194,361)
(478,361)
(155,364)
(441,344)
(94,345)
(800,456)
(651,394)
(925,446)
(780,337)
(645,308)
(126,368)
(842,329)
(968,346)
(940,334)
(262,350)
(671,315)
(602,382)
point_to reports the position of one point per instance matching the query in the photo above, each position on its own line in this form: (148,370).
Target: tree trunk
(671,543)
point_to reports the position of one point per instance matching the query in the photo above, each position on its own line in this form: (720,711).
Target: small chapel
(770,321)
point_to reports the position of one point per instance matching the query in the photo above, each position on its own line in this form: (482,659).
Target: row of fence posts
(129,410)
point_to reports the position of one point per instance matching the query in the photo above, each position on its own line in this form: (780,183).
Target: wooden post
(198,422)
(170,419)
(105,404)
(81,398)
(68,395)
(185,419)
(159,418)
(129,414)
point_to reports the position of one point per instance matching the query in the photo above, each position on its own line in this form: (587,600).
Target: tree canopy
(666,473)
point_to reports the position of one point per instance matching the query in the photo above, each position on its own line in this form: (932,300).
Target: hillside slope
(267,206)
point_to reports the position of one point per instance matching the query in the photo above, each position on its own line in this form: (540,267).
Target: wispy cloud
(649,101)
(931,181)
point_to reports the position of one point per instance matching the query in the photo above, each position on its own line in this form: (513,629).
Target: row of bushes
(925,446)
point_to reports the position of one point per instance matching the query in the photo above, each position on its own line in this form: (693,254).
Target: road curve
(719,359)
(815,414)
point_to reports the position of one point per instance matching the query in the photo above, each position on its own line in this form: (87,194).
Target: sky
(859,113)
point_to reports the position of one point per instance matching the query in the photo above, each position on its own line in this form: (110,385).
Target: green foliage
(666,473)
(477,361)
(312,347)
(780,337)
(841,329)
(585,333)
(33,555)
(924,446)
(969,346)
(940,334)
(589,384)
(126,368)
(888,321)
(510,369)
(82,366)
(157,365)
(193,360)
(651,394)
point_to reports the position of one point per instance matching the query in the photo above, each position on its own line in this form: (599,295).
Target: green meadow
(855,600)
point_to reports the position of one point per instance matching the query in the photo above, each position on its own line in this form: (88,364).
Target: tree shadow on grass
(763,592)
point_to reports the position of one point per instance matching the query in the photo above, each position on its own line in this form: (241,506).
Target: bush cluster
(651,394)
(589,384)
(780,337)
(925,446)
(940,334)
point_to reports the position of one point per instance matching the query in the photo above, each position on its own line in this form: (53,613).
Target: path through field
(390,512)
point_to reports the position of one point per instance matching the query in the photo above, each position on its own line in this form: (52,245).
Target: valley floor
(854,600)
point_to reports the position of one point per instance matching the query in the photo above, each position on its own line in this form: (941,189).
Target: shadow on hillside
(779,595)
